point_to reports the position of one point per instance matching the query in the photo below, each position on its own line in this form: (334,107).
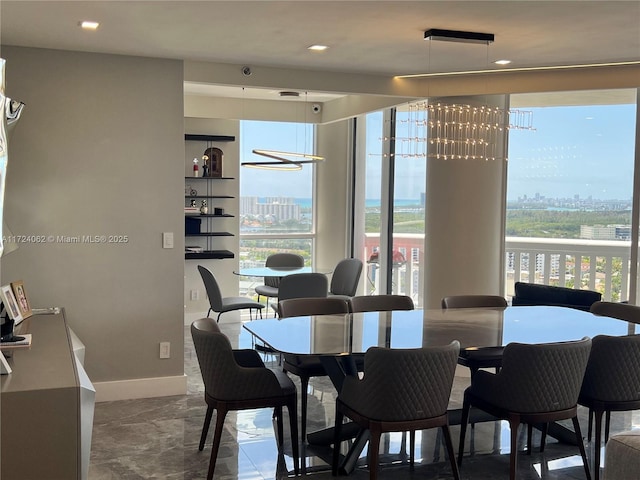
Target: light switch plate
(167,239)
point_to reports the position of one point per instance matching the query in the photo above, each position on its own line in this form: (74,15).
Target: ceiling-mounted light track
(458,36)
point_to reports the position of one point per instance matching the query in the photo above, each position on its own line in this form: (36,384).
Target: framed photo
(213,162)
(10,303)
(20,293)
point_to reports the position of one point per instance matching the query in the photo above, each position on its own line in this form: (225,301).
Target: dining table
(337,338)
(278,271)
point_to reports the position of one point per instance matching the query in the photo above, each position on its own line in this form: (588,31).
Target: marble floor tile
(157,438)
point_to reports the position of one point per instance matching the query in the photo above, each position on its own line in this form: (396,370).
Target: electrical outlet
(195,295)
(165,350)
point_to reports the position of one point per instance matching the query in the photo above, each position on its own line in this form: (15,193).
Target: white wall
(99,151)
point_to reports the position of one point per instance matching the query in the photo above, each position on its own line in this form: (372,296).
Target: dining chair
(538,384)
(381,303)
(302,285)
(473,301)
(621,311)
(401,390)
(270,287)
(239,380)
(488,357)
(611,383)
(220,304)
(345,278)
(307,366)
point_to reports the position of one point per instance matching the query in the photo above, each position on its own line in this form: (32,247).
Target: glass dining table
(335,338)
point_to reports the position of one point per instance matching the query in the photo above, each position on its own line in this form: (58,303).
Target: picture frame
(10,304)
(213,163)
(20,294)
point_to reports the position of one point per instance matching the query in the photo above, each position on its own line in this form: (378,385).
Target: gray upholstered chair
(302,285)
(345,278)
(271,284)
(220,304)
(473,301)
(611,383)
(490,357)
(401,390)
(307,366)
(538,384)
(381,303)
(238,380)
(296,307)
(621,311)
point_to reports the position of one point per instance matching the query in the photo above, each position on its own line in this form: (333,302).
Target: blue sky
(585,151)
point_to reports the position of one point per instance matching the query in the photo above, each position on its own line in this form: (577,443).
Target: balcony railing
(600,265)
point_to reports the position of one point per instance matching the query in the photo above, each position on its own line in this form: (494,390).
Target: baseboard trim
(140,388)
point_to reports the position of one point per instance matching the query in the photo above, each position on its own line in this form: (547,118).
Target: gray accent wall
(99,152)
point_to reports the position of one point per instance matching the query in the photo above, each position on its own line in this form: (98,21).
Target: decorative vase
(204,209)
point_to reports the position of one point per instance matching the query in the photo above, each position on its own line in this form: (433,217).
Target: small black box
(192,225)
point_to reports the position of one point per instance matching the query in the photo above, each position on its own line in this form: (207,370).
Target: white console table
(46,406)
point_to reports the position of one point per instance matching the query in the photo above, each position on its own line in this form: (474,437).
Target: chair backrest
(212,288)
(281,260)
(381,303)
(346,276)
(299,285)
(537,294)
(403,384)
(296,307)
(223,378)
(543,377)
(621,311)
(613,371)
(473,301)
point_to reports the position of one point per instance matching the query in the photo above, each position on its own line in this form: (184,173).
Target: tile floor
(158,438)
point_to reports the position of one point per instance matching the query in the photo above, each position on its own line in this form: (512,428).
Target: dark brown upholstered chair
(537,384)
(345,278)
(473,301)
(621,311)
(401,390)
(238,380)
(381,303)
(611,383)
(220,304)
(307,366)
(537,294)
(271,284)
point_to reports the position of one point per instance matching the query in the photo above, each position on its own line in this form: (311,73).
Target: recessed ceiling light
(88,25)
(317,48)
(502,62)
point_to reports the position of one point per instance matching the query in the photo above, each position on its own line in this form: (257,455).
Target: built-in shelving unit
(212,225)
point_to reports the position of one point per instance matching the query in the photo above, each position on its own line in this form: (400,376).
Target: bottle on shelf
(195,167)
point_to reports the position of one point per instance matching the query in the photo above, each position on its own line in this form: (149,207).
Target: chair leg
(452,457)
(590,428)
(336,442)
(374,448)
(466,406)
(529,437)
(304,385)
(514,424)
(583,453)
(205,427)
(277,413)
(543,438)
(218,318)
(221,414)
(597,445)
(606,426)
(293,426)
(412,447)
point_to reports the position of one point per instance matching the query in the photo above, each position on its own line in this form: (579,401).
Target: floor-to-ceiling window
(570,190)
(276,205)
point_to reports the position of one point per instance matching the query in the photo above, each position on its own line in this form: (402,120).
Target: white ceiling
(364,37)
